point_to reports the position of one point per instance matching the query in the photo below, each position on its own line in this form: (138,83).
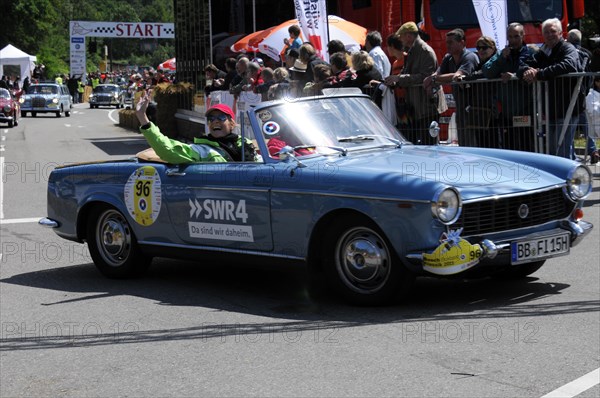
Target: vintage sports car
(9,108)
(107,95)
(339,189)
(46,98)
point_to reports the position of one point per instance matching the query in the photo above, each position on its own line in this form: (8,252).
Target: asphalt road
(189,329)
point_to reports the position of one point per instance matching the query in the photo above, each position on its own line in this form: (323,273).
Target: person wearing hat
(220,145)
(419,62)
(298,78)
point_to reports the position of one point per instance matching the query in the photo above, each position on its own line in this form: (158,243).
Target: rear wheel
(113,245)
(361,265)
(23,114)
(67,113)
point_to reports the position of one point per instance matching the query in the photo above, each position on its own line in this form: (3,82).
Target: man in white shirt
(373,47)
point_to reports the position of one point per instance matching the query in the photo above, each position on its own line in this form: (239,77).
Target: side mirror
(286,153)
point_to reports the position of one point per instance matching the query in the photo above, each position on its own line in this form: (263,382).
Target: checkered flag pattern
(104,29)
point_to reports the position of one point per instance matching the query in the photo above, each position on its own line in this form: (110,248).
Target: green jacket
(202,150)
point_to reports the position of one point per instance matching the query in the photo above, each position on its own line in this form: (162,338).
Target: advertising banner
(312,18)
(493,19)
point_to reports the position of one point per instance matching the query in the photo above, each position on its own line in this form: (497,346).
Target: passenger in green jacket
(220,145)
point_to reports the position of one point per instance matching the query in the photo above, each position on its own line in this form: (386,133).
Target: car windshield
(105,89)
(451,14)
(4,93)
(42,89)
(326,126)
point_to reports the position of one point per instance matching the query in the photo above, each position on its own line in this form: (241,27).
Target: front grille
(104,98)
(496,215)
(38,102)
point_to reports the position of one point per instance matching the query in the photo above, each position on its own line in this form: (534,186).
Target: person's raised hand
(142,106)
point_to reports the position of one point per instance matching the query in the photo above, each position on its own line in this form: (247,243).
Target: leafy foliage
(41,27)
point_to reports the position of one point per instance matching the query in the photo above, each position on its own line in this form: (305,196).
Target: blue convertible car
(339,189)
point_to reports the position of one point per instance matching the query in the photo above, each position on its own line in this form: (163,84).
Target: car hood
(418,171)
(40,95)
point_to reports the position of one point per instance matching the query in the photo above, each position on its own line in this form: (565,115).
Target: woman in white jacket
(592,110)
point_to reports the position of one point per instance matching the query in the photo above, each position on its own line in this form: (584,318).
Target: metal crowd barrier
(544,116)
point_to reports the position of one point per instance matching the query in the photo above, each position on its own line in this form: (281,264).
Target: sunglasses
(212,118)
(483,48)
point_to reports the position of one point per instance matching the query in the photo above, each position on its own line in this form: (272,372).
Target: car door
(65,98)
(221,204)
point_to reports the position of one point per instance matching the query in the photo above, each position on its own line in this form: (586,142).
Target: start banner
(124,30)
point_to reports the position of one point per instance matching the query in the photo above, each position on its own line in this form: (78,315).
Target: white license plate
(530,250)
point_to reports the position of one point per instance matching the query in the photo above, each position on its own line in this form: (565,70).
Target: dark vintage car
(339,189)
(107,95)
(46,98)
(9,108)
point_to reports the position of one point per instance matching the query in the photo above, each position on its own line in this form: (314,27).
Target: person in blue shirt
(294,41)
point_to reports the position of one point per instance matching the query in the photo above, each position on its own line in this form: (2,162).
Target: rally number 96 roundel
(143,195)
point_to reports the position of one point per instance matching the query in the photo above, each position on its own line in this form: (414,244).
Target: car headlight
(6,109)
(446,205)
(116,95)
(55,100)
(579,183)
(22,100)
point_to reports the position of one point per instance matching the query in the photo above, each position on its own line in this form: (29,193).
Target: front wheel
(58,113)
(113,245)
(362,266)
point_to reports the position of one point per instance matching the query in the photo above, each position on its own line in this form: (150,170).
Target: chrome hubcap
(363,260)
(114,238)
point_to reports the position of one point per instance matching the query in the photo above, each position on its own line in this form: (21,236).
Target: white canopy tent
(11,55)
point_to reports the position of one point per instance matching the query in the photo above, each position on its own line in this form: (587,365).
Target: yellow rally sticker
(448,258)
(143,195)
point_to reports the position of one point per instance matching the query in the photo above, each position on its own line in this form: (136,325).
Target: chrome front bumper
(493,249)
(47,222)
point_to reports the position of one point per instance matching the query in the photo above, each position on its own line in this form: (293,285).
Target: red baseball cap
(221,108)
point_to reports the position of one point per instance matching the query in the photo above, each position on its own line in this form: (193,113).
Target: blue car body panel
(274,207)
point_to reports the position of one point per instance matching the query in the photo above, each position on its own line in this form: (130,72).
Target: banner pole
(327,19)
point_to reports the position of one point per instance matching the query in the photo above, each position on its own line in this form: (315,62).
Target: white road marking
(576,387)
(19,220)
(67,125)
(110,116)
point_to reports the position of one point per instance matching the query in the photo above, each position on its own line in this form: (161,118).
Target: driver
(220,145)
